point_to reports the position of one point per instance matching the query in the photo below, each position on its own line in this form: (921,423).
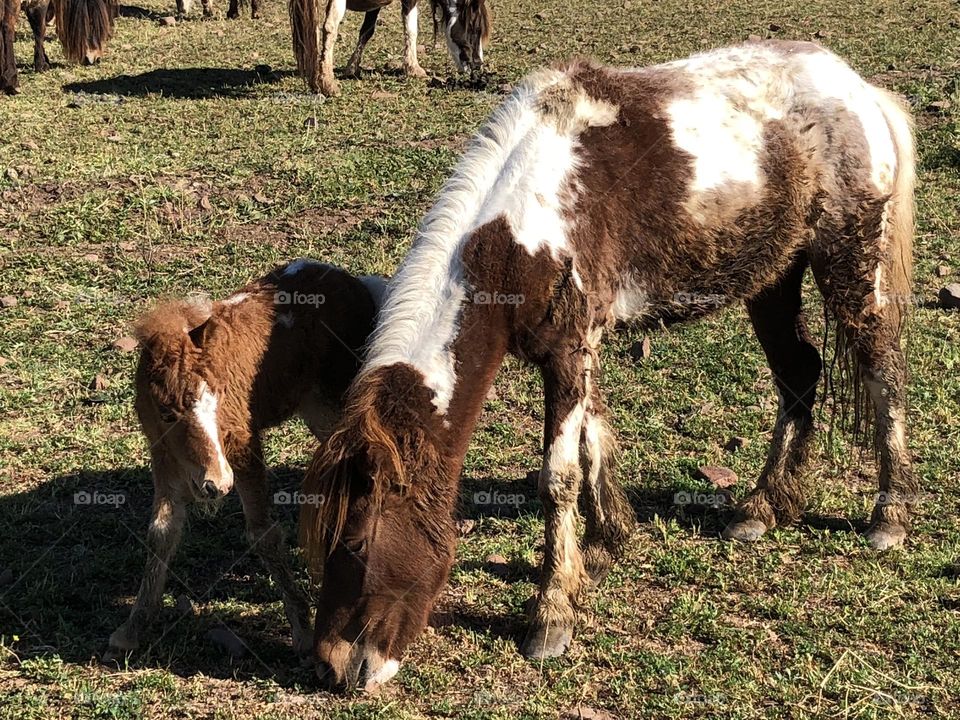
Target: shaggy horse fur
(315,24)
(83,26)
(211,380)
(593,196)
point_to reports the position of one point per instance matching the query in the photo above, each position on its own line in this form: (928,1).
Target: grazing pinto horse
(466,25)
(212,379)
(597,195)
(84,28)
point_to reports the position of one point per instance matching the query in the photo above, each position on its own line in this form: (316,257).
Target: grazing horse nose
(328,677)
(209,490)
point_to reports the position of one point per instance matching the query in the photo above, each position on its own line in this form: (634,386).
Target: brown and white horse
(466,26)
(84,28)
(211,380)
(596,195)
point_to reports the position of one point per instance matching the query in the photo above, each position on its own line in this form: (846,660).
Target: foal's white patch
(631,300)
(236,298)
(205,411)
(383,674)
(516,166)
(564,452)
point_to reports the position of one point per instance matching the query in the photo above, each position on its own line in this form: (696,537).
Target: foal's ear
(198,334)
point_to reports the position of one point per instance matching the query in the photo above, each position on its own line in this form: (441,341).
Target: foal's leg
(207,6)
(163,536)
(777,317)
(37,16)
(609,517)
(410,13)
(233,11)
(255,9)
(266,539)
(563,576)
(367,29)
(328,38)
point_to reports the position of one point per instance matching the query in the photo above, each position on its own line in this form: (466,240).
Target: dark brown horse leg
(163,536)
(233,12)
(37,15)
(778,498)
(266,539)
(367,29)
(207,6)
(255,9)
(8,62)
(410,13)
(563,577)
(609,517)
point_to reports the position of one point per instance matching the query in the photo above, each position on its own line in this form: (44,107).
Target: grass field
(191,160)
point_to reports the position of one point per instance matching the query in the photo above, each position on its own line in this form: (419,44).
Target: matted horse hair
(383,433)
(82,24)
(843,377)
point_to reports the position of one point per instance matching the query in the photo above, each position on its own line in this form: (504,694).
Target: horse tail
(306,22)
(84,28)
(898,229)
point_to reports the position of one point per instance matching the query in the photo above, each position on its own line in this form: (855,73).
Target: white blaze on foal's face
(218,475)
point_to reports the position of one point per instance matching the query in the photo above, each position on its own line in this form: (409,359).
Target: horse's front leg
(163,536)
(266,539)
(410,13)
(563,576)
(38,15)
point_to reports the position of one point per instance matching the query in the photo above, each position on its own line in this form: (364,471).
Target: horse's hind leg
(37,15)
(777,318)
(163,536)
(609,517)
(563,576)
(266,539)
(367,29)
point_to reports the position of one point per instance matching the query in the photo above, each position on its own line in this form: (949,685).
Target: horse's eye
(357,547)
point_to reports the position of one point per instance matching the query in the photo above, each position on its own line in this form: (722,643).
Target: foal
(212,379)
(84,28)
(233,11)
(595,195)
(466,25)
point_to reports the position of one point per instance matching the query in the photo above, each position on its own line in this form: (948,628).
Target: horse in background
(592,196)
(83,26)
(212,379)
(466,24)
(233,10)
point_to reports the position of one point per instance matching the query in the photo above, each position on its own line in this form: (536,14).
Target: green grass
(178,165)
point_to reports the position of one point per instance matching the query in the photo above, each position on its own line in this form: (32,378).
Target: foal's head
(383,534)
(177,403)
(466,25)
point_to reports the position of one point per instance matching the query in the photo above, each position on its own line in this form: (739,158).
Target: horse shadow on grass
(71,559)
(183,83)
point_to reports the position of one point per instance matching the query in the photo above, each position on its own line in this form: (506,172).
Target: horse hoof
(415,71)
(329,88)
(744,531)
(547,642)
(886,536)
(352,72)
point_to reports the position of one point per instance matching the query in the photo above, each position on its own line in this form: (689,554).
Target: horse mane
(382,429)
